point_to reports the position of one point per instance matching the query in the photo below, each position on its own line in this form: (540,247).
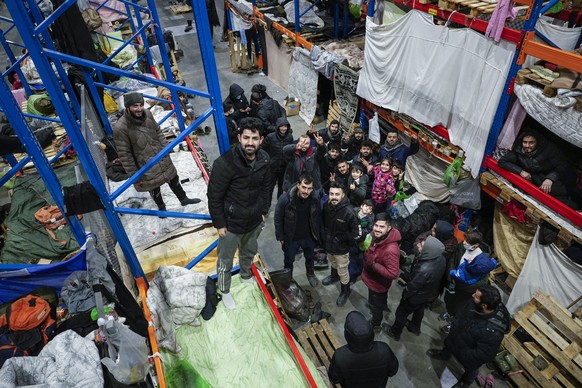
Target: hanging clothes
(72,34)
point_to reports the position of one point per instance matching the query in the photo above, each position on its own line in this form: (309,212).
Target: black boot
(334,277)
(189,201)
(313,281)
(162,207)
(344,294)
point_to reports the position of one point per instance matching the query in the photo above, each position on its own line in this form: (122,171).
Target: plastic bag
(131,365)
(467,194)
(453,172)
(292,296)
(183,375)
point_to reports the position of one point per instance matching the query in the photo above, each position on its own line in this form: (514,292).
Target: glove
(452,273)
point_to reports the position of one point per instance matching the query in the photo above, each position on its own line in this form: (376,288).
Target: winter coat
(544,163)
(340,224)
(298,164)
(326,168)
(357,195)
(328,137)
(420,221)
(232,128)
(363,362)
(399,151)
(239,194)
(383,185)
(268,111)
(286,216)
(382,262)
(137,142)
(213,19)
(236,98)
(445,232)
(427,273)
(366,223)
(477,269)
(274,143)
(351,148)
(475,338)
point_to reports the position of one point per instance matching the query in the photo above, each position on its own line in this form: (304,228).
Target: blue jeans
(290,251)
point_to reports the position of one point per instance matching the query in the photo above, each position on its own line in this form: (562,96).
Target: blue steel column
(297,17)
(209,63)
(26,29)
(371,6)
(503,106)
(34,150)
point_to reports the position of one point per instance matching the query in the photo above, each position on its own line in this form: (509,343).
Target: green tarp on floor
(27,239)
(244,347)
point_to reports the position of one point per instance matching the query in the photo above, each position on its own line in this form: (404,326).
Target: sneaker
(446,317)
(388,330)
(377,328)
(189,201)
(436,354)
(446,328)
(312,279)
(415,332)
(489,381)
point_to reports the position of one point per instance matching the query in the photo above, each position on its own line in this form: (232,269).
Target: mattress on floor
(244,347)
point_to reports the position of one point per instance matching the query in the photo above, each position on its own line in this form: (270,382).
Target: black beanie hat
(132,98)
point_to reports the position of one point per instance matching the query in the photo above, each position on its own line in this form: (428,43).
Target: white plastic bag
(131,365)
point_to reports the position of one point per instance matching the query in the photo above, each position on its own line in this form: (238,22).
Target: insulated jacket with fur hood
(137,142)
(239,192)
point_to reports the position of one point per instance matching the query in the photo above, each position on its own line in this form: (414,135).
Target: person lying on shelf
(540,162)
(138,139)
(394,149)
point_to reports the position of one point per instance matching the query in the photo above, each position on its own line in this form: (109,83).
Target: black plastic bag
(292,296)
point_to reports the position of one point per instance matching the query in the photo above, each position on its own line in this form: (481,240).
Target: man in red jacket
(381,266)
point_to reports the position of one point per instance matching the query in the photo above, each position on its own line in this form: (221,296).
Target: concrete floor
(416,369)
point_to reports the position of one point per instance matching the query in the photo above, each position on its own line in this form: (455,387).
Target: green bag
(183,375)
(453,172)
(364,245)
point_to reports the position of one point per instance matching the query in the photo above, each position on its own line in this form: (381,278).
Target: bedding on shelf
(27,240)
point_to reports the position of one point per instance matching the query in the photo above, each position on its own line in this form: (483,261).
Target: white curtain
(438,76)
(303,83)
(548,269)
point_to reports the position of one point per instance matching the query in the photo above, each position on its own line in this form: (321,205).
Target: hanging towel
(503,10)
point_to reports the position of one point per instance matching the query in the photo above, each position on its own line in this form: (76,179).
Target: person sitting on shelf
(138,139)
(236,97)
(351,144)
(540,162)
(395,150)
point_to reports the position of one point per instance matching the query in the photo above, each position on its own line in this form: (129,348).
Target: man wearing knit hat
(138,139)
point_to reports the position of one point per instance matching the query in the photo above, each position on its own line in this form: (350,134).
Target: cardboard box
(292,107)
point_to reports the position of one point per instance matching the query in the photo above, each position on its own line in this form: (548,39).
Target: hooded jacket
(328,137)
(477,269)
(358,194)
(274,143)
(543,163)
(475,337)
(236,98)
(286,216)
(398,151)
(239,193)
(341,227)
(268,111)
(426,274)
(363,362)
(382,262)
(137,142)
(298,163)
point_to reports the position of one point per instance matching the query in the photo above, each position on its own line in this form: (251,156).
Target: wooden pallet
(557,338)
(525,76)
(319,342)
(503,194)
(180,9)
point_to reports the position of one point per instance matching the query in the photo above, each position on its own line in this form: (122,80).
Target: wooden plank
(330,335)
(317,346)
(524,358)
(306,345)
(324,341)
(560,312)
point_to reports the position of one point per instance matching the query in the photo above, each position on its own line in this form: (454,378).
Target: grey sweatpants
(247,249)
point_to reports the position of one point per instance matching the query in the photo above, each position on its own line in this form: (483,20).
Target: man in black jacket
(363,362)
(267,110)
(329,135)
(541,163)
(236,97)
(341,227)
(273,144)
(422,288)
(238,201)
(298,224)
(476,333)
(302,158)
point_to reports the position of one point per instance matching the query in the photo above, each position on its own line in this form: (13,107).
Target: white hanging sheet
(303,83)
(548,269)
(438,76)
(562,36)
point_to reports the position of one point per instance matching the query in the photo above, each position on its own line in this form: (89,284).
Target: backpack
(26,327)
(51,218)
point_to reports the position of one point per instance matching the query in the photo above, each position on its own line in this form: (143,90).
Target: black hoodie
(363,362)
(274,143)
(236,98)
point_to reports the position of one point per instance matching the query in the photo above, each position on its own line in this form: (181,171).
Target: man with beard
(138,139)
(340,224)
(273,144)
(476,334)
(298,224)
(302,158)
(327,164)
(541,163)
(341,173)
(238,201)
(366,156)
(351,144)
(395,150)
(329,135)
(381,266)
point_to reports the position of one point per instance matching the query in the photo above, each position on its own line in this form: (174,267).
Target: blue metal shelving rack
(33,29)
